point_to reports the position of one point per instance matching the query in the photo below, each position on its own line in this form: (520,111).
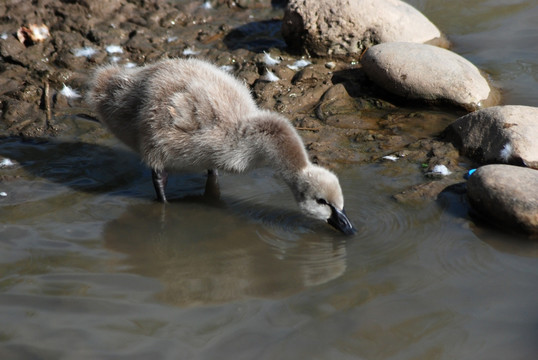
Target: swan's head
(319,195)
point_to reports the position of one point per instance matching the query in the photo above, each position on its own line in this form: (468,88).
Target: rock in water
(500,134)
(342,28)
(507,195)
(426,72)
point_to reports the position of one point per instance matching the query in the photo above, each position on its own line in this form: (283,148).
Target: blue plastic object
(468,174)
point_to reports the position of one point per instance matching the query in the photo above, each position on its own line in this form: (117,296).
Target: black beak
(339,221)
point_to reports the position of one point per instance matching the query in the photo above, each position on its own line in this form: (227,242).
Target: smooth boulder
(343,28)
(429,73)
(500,134)
(506,195)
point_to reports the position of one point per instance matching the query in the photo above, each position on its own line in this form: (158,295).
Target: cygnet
(188,115)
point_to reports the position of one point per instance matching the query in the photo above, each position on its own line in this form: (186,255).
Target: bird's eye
(322,202)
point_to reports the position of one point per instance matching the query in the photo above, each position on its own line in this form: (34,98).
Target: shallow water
(91,267)
(498,36)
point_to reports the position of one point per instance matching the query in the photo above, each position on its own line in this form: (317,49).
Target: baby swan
(186,114)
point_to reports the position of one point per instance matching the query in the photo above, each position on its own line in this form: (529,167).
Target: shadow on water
(256,36)
(453,199)
(279,3)
(205,256)
(80,166)
(117,172)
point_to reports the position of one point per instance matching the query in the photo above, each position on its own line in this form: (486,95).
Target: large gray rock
(500,134)
(426,72)
(507,195)
(341,28)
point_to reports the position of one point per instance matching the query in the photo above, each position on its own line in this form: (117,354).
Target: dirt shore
(341,116)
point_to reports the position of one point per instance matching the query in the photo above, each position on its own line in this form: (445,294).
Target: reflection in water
(84,260)
(519,244)
(84,251)
(202,249)
(206,254)
(454,200)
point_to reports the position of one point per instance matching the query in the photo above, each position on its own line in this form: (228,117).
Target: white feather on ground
(270,61)
(506,152)
(270,76)
(441,170)
(114,49)
(85,51)
(299,64)
(69,92)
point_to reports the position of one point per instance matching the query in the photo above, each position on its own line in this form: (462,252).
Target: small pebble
(330,65)
(3,194)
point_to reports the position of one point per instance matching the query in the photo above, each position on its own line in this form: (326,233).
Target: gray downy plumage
(188,115)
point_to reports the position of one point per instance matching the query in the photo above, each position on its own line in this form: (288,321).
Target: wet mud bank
(341,115)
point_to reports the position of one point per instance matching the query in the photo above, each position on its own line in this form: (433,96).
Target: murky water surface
(92,268)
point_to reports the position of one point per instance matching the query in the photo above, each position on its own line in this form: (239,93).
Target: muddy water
(91,268)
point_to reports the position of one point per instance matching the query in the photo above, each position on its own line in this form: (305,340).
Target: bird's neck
(280,146)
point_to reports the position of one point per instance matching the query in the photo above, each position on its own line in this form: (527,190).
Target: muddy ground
(341,116)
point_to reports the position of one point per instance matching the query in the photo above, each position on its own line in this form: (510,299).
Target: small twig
(48,110)
(212,38)
(307,128)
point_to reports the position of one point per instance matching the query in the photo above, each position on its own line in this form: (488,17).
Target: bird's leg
(212,184)
(160,178)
